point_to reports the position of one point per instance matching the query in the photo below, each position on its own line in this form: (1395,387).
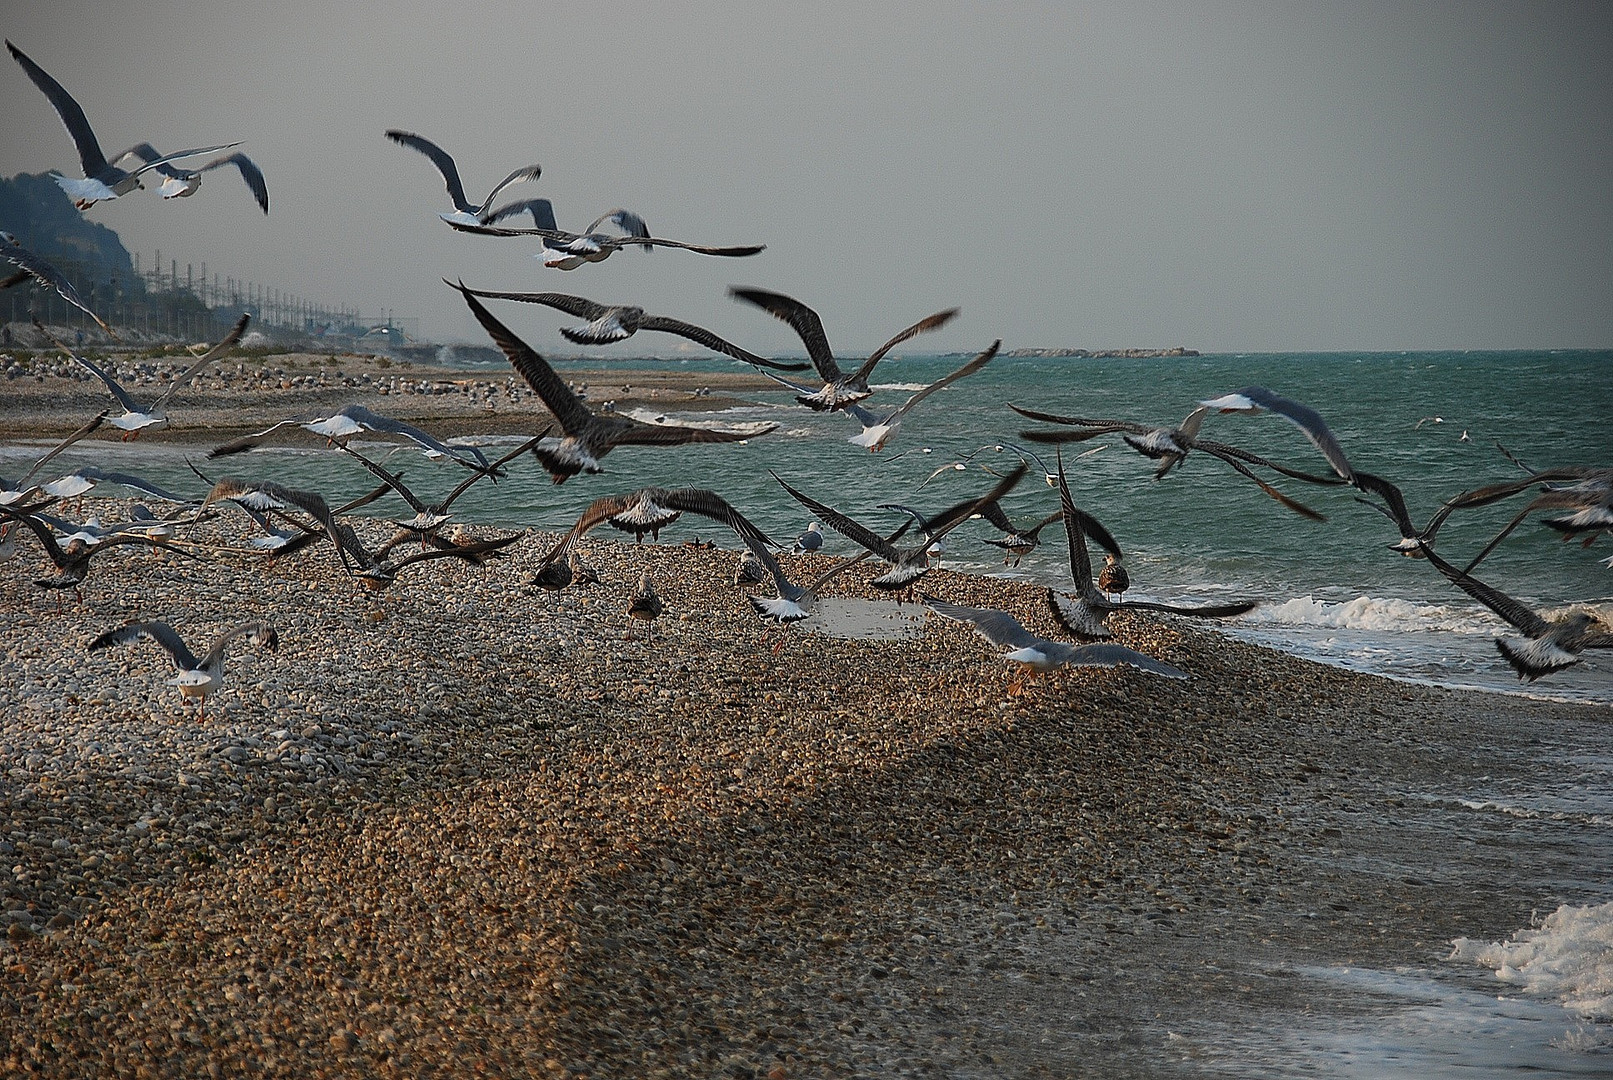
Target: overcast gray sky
(1226,176)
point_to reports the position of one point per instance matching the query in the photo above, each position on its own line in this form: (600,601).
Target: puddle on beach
(865,620)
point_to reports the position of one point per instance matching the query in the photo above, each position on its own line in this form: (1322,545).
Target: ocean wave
(1568,958)
(652,416)
(1374,613)
(902,387)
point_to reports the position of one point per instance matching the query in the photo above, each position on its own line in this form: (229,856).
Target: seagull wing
(118,392)
(557,396)
(997,627)
(1513,611)
(803,320)
(1080,561)
(249,172)
(225,344)
(445,165)
(73,118)
(648,242)
(259,631)
(844,525)
(932,322)
(947,380)
(160,632)
(578,306)
(46,274)
(59,447)
(1307,419)
(702,336)
(1108,654)
(710,504)
(525,172)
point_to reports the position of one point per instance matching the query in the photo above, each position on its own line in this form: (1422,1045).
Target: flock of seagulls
(578,439)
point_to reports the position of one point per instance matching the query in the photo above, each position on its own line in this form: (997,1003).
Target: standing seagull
(196,678)
(30,265)
(839,389)
(181,183)
(1039,654)
(136,418)
(464,213)
(645,605)
(102,180)
(810,540)
(589,436)
(617,322)
(877,428)
(1551,645)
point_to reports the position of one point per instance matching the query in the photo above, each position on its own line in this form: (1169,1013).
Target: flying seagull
(343,425)
(1084,614)
(839,389)
(1039,654)
(15,491)
(617,322)
(589,436)
(180,183)
(1548,645)
(907,564)
(137,418)
(464,213)
(1258,399)
(1170,446)
(197,678)
(102,180)
(563,250)
(30,265)
(1016,543)
(878,427)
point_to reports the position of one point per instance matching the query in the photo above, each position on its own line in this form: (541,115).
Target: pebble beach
(466,827)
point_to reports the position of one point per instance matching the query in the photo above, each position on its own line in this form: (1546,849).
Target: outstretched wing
(160,632)
(931,322)
(73,118)
(556,395)
(803,320)
(225,344)
(445,165)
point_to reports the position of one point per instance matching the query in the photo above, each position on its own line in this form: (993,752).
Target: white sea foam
(901,387)
(1568,958)
(1374,613)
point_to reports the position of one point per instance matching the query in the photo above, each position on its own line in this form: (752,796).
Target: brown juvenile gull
(1548,645)
(464,213)
(839,389)
(616,322)
(102,180)
(589,436)
(197,678)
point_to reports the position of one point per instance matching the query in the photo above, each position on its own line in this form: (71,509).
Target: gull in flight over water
(589,436)
(102,180)
(839,389)
(878,428)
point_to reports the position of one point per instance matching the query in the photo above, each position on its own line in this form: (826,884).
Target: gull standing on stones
(197,678)
(102,180)
(464,213)
(839,389)
(616,322)
(589,436)
(137,418)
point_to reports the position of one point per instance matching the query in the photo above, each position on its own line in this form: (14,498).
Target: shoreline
(466,824)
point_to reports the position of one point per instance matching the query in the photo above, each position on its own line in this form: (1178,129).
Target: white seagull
(181,183)
(102,180)
(197,678)
(563,250)
(878,428)
(137,418)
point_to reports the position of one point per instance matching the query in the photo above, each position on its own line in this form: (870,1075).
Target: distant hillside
(38,213)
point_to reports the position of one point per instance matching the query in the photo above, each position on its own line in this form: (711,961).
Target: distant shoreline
(1102,354)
